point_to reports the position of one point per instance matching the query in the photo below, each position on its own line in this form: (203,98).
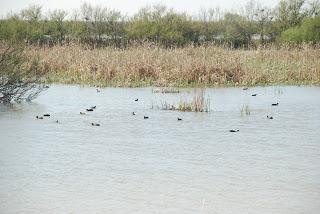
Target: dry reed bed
(189,66)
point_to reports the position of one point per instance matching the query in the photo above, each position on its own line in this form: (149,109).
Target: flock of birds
(269,117)
(92,108)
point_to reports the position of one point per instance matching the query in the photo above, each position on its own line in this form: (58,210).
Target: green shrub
(308,31)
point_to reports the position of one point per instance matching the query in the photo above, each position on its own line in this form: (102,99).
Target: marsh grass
(198,104)
(190,66)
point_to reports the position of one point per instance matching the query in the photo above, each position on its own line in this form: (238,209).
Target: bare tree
(33,13)
(100,20)
(289,13)
(19,77)
(57,17)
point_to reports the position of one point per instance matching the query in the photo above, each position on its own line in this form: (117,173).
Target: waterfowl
(98,90)
(145,117)
(57,121)
(136,100)
(93,107)
(82,113)
(46,115)
(89,109)
(270,117)
(95,124)
(245,88)
(275,104)
(233,130)
(39,117)
(133,113)
(254,95)
(179,118)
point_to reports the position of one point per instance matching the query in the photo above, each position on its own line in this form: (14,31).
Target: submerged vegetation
(166,90)
(245,110)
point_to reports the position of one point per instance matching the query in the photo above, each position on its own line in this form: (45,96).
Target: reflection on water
(161,165)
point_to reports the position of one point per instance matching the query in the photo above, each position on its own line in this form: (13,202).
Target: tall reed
(147,65)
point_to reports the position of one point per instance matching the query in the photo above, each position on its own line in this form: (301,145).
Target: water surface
(161,165)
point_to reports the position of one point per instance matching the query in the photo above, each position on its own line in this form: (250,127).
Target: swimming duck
(233,130)
(133,113)
(270,117)
(136,100)
(82,113)
(275,104)
(245,88)
(93,107)
(98,90)
(57,121)
(254,95)
(179,118)
(145,117)
(95,124)
(46,115)
(89,109)
(39,117)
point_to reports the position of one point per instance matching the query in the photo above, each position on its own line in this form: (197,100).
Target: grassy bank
(189,66)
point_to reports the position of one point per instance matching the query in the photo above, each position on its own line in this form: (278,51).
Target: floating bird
(233,130)
(89,109)
(245,88)
(133,113)
(254,95)
(95,124)
(57,121)
(179,118)
(39,117)
(136,100)
(145,117)
(46,115)
(270,117)
(275,104)
(98,90)
(82,113)
(93,107)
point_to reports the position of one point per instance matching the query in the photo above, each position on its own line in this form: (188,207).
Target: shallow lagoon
(161,165)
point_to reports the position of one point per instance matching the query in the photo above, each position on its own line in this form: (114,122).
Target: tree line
(294,21)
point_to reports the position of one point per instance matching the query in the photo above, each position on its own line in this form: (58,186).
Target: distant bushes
(308,31)
(98,26)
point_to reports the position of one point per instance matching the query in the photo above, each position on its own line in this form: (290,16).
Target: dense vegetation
(159,47)
(205,65)
(291,21)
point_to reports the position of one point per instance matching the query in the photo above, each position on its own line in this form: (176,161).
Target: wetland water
(161,165)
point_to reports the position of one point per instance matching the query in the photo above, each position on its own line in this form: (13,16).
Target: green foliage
(97,25)
(309,31)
